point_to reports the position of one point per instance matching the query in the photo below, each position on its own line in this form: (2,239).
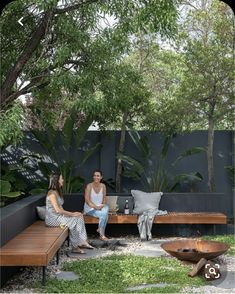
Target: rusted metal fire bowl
(193,250)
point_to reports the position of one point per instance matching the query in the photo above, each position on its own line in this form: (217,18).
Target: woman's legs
(103,218)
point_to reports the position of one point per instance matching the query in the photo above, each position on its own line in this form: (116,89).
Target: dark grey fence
(105,159)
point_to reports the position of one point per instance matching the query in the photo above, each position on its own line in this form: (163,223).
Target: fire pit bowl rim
(191,244)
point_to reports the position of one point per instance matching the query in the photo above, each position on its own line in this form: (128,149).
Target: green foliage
(192,151)
(69,143)
(11,124)
(79,44)
(209,65)
(5,189)
(156,178)
(5,192)
(228,239)
(231,171)
(12,185)
(126,271)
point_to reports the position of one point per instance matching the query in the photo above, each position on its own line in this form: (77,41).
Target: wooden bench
(170,218)
(34,246)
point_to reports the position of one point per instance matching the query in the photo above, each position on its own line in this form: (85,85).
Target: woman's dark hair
(98,171)
(54,184)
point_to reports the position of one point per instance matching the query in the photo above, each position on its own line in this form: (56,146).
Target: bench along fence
(182,208)
(25,241)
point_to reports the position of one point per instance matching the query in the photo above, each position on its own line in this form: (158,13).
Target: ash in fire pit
(187,250)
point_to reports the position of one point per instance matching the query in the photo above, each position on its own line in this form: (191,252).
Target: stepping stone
(144,286)
(227,282)
(148,253)
(95,253)
(67,276)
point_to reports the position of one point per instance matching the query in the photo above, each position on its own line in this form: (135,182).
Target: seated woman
(95,202)
(57,216)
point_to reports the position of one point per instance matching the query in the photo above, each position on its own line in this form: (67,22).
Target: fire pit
(193,250)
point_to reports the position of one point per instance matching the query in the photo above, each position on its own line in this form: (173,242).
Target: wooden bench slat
(35,246)
(170,218)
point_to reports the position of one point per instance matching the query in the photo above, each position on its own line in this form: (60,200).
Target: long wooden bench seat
(170,218)
(34,246)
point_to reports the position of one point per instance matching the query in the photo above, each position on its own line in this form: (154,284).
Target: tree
(58,39)
(126,103)
(192,81)
(11,122)
(207,88)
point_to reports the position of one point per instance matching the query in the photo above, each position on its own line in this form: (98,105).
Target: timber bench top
(170,218)
(34,246)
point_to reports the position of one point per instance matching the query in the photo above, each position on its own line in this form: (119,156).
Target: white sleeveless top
(96,198)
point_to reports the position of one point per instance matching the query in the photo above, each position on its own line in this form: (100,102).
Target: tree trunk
(30,46)
(210,161)
(121,149)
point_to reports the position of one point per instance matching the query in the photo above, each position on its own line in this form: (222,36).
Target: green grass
(229,239)
(115,273)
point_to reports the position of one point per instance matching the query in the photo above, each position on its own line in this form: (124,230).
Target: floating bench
(170,218)
(34,246)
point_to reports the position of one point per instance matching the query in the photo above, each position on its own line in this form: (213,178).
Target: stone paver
(225,283)
(150,249)
(67,276)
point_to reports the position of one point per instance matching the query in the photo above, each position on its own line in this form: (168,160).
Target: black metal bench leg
(68,241)
(58,256)
(214,230)
(43,275)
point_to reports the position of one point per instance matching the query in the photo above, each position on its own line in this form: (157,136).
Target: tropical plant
(61,149)
(6,193)
(231,171)
(154,177)
(12,184)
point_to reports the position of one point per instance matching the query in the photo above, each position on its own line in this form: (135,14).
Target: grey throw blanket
(145,222)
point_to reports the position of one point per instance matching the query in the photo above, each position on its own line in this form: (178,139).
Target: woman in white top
(95,202)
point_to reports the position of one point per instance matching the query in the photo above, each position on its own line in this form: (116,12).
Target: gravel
(22,282)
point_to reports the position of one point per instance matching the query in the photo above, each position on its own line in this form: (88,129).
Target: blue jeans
(102,215)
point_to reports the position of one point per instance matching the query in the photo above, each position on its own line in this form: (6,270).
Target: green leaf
(134,164)
(5,187)
(189,152)
(37,191)
(189,178)
(11,194)
(141,143)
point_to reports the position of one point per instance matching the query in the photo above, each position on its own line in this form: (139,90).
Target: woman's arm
(104,194)
(88,198)
(59,209)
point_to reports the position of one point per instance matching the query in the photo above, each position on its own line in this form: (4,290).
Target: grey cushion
(112,202)
(145,201)
(41,210)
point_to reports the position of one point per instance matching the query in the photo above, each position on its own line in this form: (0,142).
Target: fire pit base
(193,250)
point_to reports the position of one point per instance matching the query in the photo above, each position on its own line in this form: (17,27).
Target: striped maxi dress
(76,225)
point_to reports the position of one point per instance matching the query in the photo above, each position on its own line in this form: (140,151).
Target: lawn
(229,239)
(115,273)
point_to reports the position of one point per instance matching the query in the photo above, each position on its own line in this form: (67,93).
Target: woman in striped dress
(57,216)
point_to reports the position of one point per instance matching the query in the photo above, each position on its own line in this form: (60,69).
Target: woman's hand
(77,214)
(99,207)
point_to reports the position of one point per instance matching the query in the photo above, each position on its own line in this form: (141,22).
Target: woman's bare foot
(78,251)
(103,238)
(86,246)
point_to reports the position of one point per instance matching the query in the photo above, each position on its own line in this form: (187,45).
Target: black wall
(105,159)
